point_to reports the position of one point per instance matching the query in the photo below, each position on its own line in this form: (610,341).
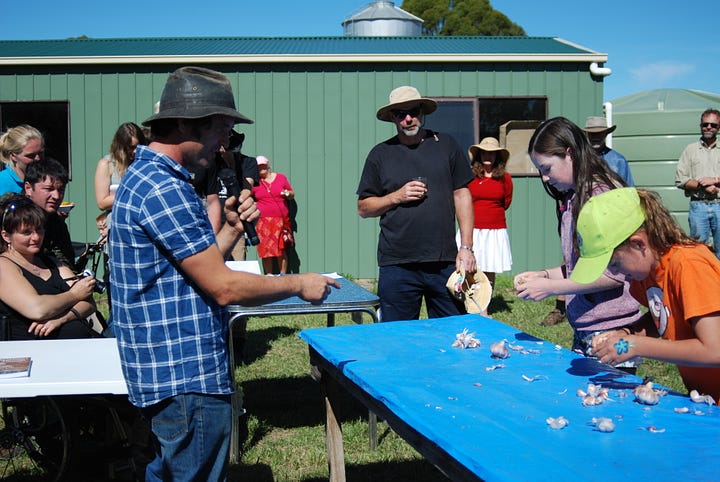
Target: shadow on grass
(293,402)
(260,343)
(416,471)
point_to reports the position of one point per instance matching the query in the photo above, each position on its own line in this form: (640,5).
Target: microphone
(228,177)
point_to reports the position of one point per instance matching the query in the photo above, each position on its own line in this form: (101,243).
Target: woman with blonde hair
(19,146)
(111,168)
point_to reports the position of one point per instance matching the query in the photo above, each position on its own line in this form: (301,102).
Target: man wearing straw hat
(170,284)
(416,182)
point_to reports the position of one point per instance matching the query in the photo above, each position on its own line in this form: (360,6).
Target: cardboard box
(515,136)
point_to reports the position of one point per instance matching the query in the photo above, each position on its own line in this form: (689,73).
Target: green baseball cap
(604,223)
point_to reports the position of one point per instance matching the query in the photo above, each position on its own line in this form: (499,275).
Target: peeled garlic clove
(557,423)
(603,424)
(499,350)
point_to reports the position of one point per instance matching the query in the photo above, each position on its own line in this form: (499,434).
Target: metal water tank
(382,19)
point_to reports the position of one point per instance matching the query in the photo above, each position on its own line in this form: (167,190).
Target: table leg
(333,430)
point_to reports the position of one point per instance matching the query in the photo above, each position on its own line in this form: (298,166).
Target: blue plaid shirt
(172,337)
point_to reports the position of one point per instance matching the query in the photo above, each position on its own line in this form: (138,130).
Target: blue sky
(650,44)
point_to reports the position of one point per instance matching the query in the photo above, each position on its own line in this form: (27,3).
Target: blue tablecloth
(494,421)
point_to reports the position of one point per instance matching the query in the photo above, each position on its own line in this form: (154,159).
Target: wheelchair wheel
(34,441)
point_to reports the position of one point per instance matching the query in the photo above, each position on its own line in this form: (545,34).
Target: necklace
(34,269)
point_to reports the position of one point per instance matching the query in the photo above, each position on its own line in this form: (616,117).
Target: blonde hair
(121,148)
(14,140)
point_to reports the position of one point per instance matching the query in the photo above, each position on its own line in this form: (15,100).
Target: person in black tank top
(38,298)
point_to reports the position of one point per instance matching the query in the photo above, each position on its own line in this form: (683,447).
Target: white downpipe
(599,71)
(609,116)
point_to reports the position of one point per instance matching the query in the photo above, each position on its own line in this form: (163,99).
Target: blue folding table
(480,418)
(349,298)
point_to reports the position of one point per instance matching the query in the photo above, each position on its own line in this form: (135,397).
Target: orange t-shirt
(684,285)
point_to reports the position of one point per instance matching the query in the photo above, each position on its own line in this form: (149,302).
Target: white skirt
(492,249)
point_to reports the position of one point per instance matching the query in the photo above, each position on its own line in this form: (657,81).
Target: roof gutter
(289,58)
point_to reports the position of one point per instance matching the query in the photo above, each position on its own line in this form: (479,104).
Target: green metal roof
(526,49)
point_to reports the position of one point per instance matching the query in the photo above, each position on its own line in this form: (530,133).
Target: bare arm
(466,221)
(214,211)
(538,285)
(103,197)
(374,206)
(226,286)
(701,351)
(18,294)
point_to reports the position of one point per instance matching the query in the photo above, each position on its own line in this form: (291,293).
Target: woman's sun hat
(488,144)
(404,98)
(604,223)
(262,161)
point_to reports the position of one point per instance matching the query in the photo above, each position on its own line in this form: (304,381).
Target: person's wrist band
(469,248)
(75,312)
(547,275)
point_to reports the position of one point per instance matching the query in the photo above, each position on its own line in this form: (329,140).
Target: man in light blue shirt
(597,131)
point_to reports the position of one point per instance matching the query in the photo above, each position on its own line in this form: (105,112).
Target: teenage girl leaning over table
(631,232)
(566,160)
(39,299)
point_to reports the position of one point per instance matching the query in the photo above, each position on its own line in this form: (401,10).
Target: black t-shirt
(422,231)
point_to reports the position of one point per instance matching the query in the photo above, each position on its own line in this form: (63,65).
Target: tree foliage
(461,17)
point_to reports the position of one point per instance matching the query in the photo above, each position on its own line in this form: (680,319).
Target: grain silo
(382,19)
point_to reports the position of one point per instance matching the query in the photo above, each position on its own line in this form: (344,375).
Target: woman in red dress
(491,191)
(271,196)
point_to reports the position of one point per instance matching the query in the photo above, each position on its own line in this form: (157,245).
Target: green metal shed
(653,128)
(314,102)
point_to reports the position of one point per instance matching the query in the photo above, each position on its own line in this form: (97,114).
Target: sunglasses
(23,201)
(401,114)
(709,124)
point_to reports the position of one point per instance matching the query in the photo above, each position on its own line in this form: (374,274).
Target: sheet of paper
(246,266)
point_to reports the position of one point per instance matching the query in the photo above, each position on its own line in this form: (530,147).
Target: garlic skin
(697,398)
(499,350)
(466,340)
(595,395)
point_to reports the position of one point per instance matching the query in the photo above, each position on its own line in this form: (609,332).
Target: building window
(51,118)
(512,120)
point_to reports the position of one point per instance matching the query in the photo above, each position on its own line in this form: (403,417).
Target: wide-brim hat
(404,98)
(488,144)
(194,93)
(597,124)
(604,223)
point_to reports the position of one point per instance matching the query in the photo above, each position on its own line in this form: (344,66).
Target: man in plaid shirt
(169,282)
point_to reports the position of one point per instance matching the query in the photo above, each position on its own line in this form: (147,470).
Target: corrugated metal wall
(652,142)
(316,124)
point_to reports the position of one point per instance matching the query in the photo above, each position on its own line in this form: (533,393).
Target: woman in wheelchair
(38,298)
